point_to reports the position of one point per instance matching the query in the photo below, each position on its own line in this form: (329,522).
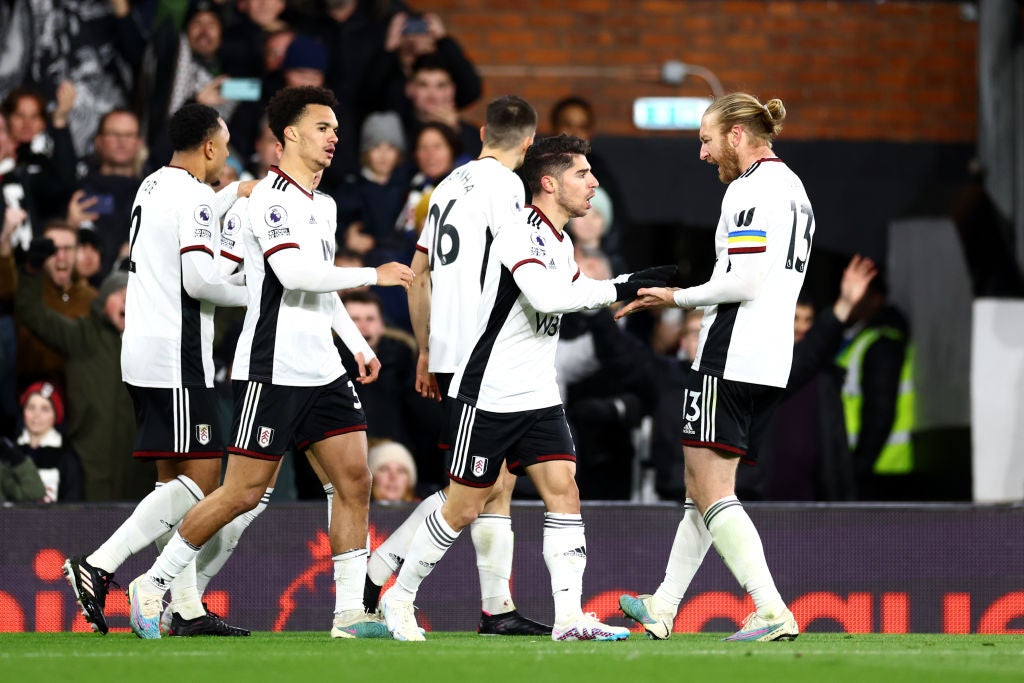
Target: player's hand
(426,382)
(39,250)
(368,372)
(394,273)
(626,291)
(856,277)
(245,187)
(648,298)
(78,209)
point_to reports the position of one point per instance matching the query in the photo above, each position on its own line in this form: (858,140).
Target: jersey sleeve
(271,225)
(426,238)
(232,231)
(197,227)
(507,205)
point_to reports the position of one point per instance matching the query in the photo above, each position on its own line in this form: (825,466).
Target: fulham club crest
(203,434)
(479,466)
(264,436)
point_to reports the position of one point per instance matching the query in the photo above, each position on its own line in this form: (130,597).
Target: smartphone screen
(241,89)
(104,205)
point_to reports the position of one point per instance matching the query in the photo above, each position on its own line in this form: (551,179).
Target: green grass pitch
(465,657)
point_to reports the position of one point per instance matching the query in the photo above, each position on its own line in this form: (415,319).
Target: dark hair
(363,296)
(10,102)
(288,105)
(192,125)
(570,101)
(430,62)
(449,135)
(550,156)
(112,112)
(509,120)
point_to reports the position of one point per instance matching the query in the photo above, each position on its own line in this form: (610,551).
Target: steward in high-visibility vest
(894,454)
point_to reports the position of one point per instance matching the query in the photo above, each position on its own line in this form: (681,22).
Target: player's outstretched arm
(298,272)
(201,280)
(648,298)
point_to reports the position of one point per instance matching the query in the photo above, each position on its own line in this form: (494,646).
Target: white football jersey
(236,220)
(168,335)
(286,335)
(466,211)
(766,215)
(510,366)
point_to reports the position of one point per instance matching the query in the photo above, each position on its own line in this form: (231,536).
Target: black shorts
(482,440)
(727,415)
(176,423)
(271,418)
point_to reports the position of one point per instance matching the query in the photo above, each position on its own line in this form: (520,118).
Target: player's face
(60,266)
(575,188)
(119,143)
(716,149)
(802,321)
(26,121)
(39,415)
(217,156)
(114,309)
(316,133)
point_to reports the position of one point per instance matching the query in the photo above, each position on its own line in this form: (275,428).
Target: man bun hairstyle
(192,125)
(550,156)
(509,120)
(288,104)
(762,120)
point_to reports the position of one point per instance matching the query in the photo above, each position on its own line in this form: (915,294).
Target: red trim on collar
(544,218)
(278,171)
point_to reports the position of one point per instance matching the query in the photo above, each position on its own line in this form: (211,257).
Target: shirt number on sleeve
(795,261)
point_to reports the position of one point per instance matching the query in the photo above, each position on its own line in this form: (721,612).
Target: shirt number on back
(448,251)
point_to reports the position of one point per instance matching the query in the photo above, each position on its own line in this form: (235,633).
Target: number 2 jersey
(168,335)
(531,280)
(466,211)
(762,246)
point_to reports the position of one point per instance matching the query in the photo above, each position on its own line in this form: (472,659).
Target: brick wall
(900,71)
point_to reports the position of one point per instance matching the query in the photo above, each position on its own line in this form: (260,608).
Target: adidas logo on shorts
(688,428)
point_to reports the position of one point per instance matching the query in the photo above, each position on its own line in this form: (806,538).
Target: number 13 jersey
(466,210)
(764,238)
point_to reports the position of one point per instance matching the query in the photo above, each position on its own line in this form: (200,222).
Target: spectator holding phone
(102,201)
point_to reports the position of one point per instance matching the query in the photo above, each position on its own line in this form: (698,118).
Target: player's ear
(547,183)
(290,134)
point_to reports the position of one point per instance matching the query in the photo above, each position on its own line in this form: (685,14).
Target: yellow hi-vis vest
(897,456)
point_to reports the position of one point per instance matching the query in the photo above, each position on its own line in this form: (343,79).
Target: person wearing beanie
(394,473)
(57,463)
(370,203)
(100,416)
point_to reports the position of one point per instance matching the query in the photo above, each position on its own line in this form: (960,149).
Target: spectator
(101,424)
(878,398)
(242,51)
(62,292)
(15,189)
(435,152)
(104,197)
(19,478)
(394,473)
(430,97)
(89,258)
(411,36)
(371,203)
(44,152)
(589,231)
(57,463)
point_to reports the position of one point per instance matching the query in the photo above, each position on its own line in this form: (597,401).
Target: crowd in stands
(83,108)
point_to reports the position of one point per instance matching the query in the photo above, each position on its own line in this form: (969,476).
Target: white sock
(218,549)
(174,559)
(565,554)
(739,544)
(329,491)
(389,555)
(349,572)
(184,595)
(154,516)
(688,550)
(493,540)
(431,542)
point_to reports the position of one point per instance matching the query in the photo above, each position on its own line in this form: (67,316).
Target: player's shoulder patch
(232,223)
(538,241)
(203,214)
(275,216)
